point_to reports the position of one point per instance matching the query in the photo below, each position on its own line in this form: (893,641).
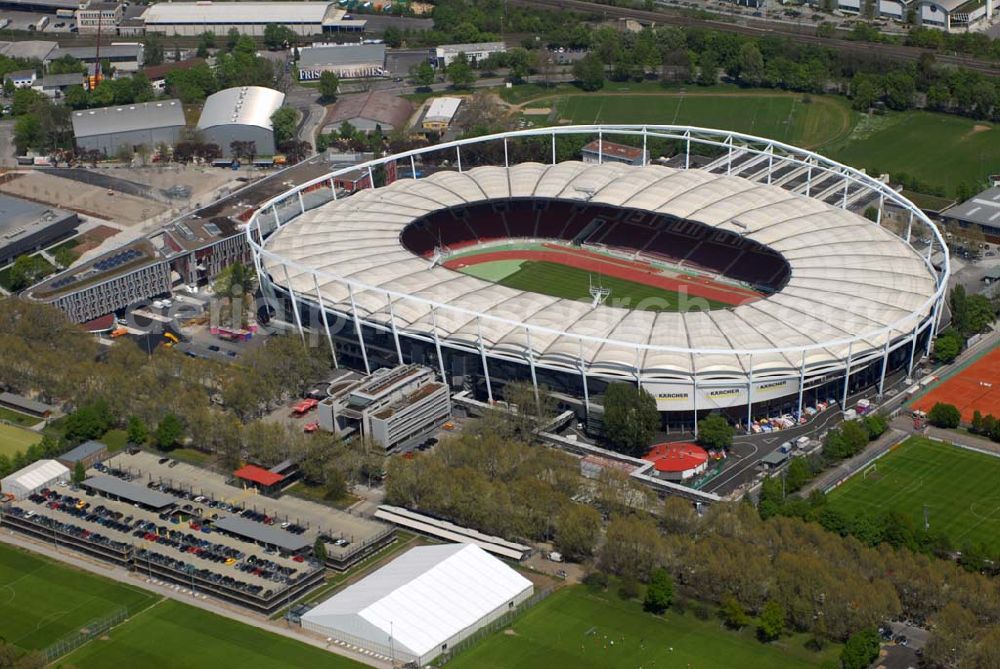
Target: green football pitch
(958,487)
(173,634)
(14,439)
(42,601)
(582,629)
(574,284)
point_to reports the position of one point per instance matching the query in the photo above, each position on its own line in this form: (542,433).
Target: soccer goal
(870,471)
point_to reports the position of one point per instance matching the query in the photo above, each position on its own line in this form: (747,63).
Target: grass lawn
(958,486)
(938,149)
(172,634)
(569,628)
(192,456)
(14,439)
(17,418)
(115,440)
(321,495)
(42,601)
(42,266)
(572,283)
(776,115)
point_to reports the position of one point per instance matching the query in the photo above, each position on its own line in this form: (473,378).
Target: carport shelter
(118,489)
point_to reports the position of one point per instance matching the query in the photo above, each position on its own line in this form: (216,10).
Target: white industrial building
(440,113)
(421,604)
(37,475)
(249,18)
(241,114)
(446,53)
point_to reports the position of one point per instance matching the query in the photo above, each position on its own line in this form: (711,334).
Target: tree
(715,431)
(294,150)
(284,121)
(329,82)
(797,474)
(589,72)
(632,547)
(79,473)
(319,550)
(393,37)
(25,271)
(138,433)
(169,431)
(232,39)
(152,50)
(944,415)
(947,346)
(422,74)
(959,304)
(860,650)
(630,418)
(660,592)
(206,41)
(751,64)
(88,422)
(771,623)
(27,133)
(733,614)
(708,68)
(979,313)
(278,36)
(577,529)
(460,72)
(863,92)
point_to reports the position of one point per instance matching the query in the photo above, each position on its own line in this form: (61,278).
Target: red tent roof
(257,474)
(676,457)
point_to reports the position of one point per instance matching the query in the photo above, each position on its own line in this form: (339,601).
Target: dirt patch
(84,198)
(93,238)
(980,127)
(509,632)
(537,111)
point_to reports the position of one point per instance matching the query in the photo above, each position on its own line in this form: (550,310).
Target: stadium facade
(842,301)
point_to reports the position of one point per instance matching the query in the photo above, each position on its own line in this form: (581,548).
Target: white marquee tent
(422,603)
(34,477)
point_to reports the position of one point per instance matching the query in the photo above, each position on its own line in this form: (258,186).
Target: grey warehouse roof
(107,51)
(244,105)
(849,277)
(983,209)
(240,12)
(83,451)
(346,54)
(12,399)
(129,491)
(127,118)
(263,533)
(40,49)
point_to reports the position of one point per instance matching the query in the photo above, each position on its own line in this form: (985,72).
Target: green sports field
(172,634)
(42,601)
(14,439)
(958,486)
(938,149)
(571,283)
(575,627)
(781,116)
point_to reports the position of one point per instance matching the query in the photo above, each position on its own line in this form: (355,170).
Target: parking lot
(348,534)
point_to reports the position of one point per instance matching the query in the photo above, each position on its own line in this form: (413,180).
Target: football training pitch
(173,634)
(14,439)
(958,486)
(578,628)
(42,601)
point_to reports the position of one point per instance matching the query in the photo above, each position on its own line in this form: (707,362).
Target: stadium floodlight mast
(808,360)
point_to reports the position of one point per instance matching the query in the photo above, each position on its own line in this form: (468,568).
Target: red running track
(618,268)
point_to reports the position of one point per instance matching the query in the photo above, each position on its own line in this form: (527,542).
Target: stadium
(735,277)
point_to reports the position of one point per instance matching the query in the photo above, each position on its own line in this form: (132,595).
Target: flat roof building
(370,111)
(440,113)
(124,57)
(87,453)
(421,604)
(31,49)
(981,211)
(27,226)
(395,408)
(446,53)
(347,61)
(241,114)
(603,151)
(108,129)
(23,404)
(249,18)
(54,85)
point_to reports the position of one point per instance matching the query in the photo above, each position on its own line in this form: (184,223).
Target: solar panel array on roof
(118,259)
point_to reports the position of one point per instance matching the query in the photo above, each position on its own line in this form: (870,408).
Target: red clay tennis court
(977,387)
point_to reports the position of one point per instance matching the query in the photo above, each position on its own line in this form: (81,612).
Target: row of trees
(970,315)
(237,65)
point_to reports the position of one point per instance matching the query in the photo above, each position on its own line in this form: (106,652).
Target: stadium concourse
(812,294)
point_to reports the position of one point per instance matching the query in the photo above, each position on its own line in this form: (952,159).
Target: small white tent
(422,603)
(34,477)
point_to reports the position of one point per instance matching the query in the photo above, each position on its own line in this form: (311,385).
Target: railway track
(760,28)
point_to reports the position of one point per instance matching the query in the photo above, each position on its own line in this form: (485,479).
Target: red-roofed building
(677,461)
(603,151)
(258,476)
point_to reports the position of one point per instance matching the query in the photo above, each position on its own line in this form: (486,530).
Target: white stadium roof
(240,12)
(242,105)
(421,599)
(849,277)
